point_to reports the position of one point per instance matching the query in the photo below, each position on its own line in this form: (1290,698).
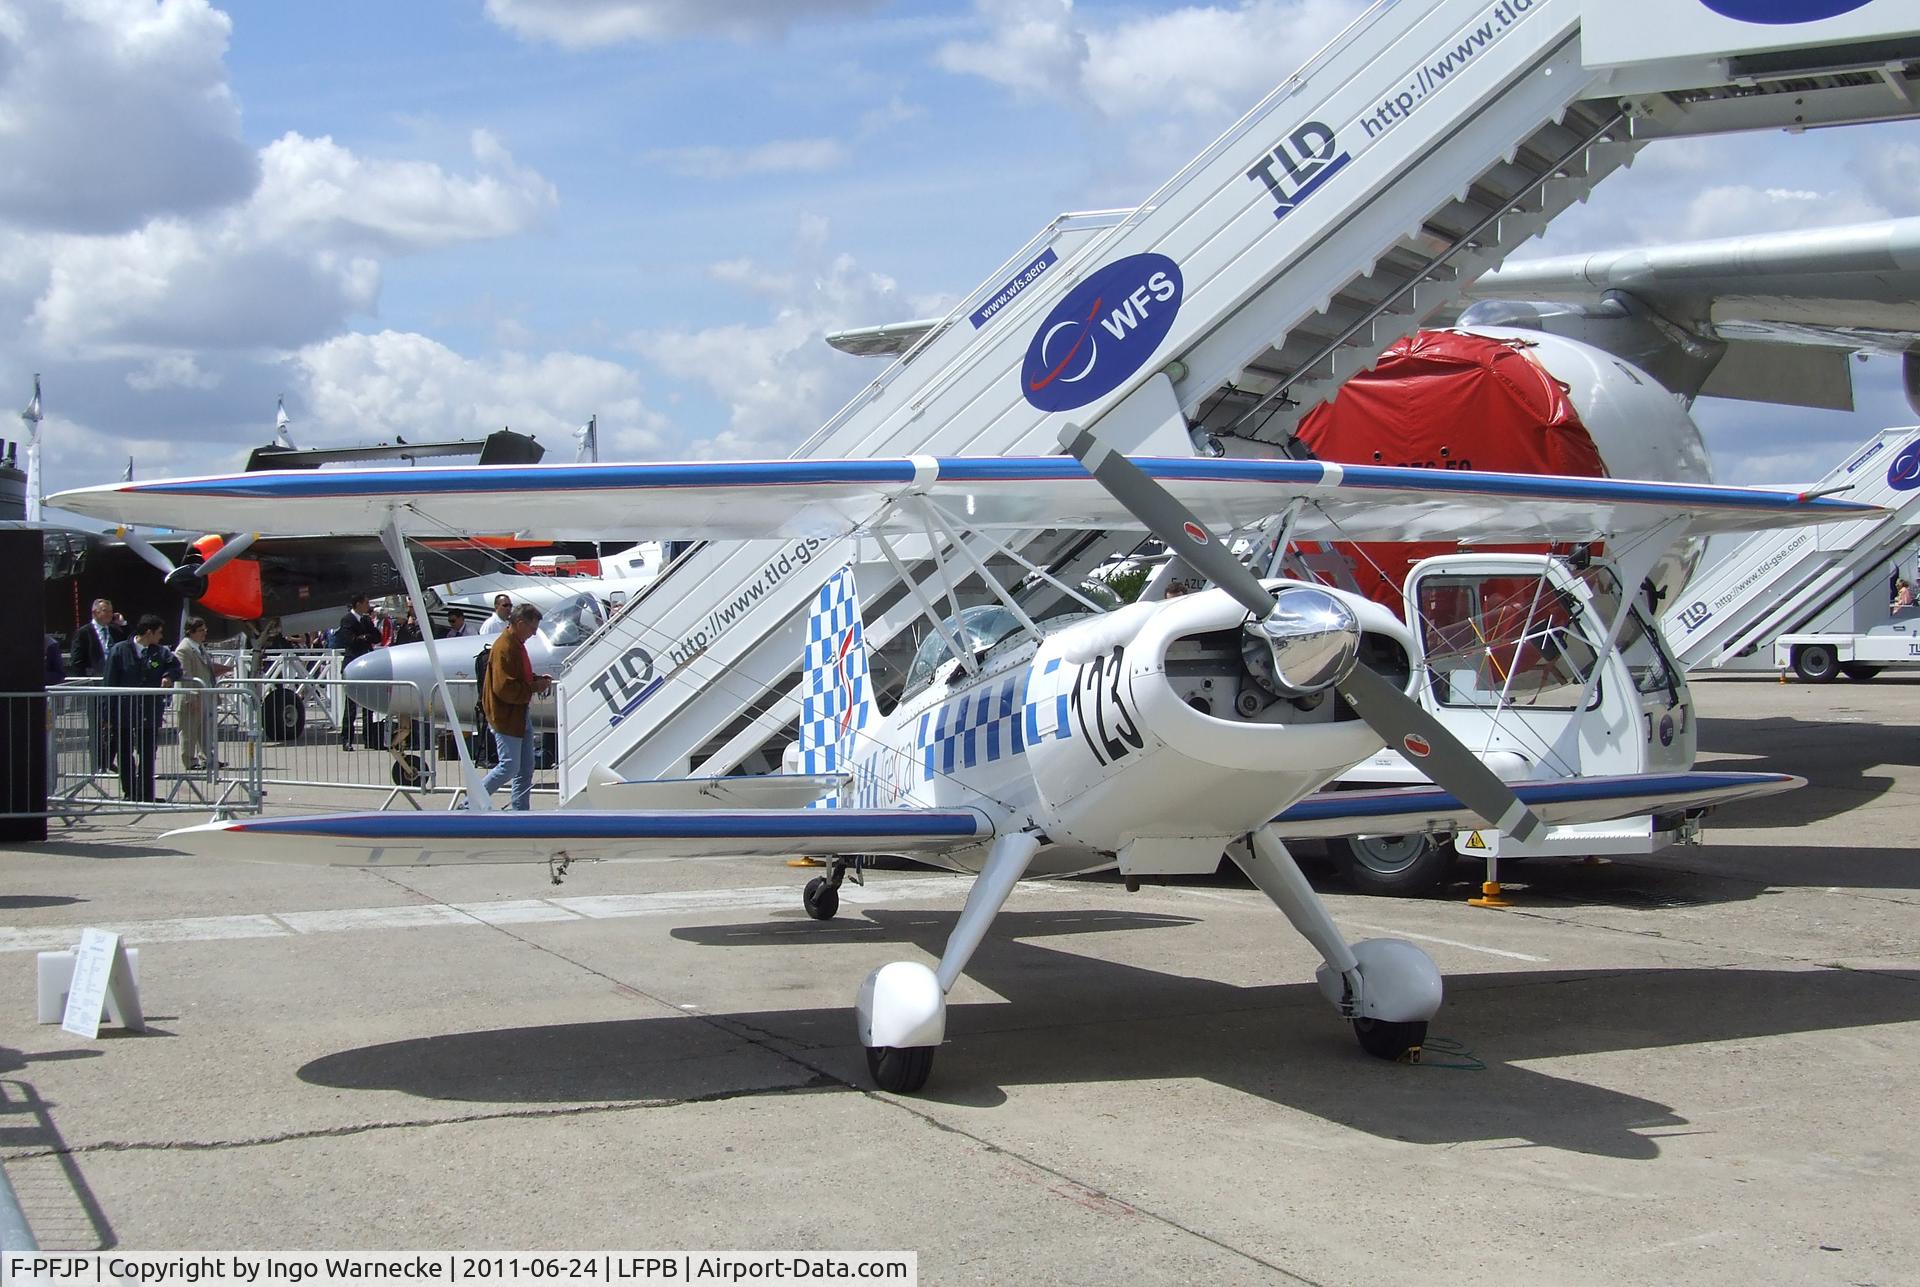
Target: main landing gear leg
(902,1009)
(1389,988)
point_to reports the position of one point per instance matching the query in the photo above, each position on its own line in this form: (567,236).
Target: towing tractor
(1514,660)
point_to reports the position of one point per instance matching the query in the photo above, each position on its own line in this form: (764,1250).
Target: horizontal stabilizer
(1415,810)
(504,836)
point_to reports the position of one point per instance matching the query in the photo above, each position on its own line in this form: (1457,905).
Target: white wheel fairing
(1399,983)
(901,1005)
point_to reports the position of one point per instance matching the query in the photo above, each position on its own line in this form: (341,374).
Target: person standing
(359,635)
(502,609)
(198,670)
(140,662)
(508,691)
(88,656)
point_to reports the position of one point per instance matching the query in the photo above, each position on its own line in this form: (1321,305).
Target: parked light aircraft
(1058,747)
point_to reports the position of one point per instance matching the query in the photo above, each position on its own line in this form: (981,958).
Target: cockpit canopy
(568,624)
(982,628)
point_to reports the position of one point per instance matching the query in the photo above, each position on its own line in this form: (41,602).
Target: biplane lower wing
(504,836)
(1415,810)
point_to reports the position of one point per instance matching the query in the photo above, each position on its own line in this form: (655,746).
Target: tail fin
(836,696)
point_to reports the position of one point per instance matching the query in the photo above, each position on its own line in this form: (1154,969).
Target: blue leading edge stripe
(1400,801)
(561,824)
(989,471)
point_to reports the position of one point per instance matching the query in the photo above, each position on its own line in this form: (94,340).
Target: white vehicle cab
(1513,649)
(1858,654)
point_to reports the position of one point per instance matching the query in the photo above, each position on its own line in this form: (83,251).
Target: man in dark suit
(88,656)
(139,662)
(359,635)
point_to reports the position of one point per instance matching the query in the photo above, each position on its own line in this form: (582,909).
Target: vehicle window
(1640,647)
(1495,638)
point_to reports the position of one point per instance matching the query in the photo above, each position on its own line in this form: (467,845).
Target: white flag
(32,414)
(128,476)
(586,442)
(281,423)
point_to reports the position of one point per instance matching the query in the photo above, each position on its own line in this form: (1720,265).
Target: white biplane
(1154,737)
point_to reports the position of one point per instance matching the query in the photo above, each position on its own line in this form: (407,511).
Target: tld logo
(1101,333)
(1781,13)
(1903,475)
(1695,615)
(1306,159)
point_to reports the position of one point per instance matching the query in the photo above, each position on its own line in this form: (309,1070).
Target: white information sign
(100,963)
(1622,32)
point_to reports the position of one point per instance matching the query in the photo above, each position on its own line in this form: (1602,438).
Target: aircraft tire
(903,1070)
(1814,663)
(1860,672)
(409,770)
(283,715)
(821,899)
(1396,866)
(1385,1040)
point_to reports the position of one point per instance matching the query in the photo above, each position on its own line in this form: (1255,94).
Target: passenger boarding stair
(1359,197)
(1779,582)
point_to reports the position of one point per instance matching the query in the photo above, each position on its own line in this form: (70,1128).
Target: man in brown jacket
(506,691)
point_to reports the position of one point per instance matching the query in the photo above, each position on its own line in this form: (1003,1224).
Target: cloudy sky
(435,218)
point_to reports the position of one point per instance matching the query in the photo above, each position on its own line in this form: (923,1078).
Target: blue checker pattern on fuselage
(832,688)
(993,722)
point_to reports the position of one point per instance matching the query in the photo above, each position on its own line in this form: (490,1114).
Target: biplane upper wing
(1422,810)
(834,498)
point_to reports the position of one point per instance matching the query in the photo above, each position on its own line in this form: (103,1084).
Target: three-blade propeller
(1400,721)
(190,578)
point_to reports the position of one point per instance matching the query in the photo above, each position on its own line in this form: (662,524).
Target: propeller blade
(1405,726)
(1167,519)
(227,553)
(138,544)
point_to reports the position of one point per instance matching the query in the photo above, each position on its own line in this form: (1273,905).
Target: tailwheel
(904,1070)
(821,898)
(1381,1039)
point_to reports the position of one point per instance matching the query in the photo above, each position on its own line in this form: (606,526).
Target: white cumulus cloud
(358,387)
(781,156)
(584,24)
(115,111)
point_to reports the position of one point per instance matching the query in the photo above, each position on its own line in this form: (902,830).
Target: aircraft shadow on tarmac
(1074,1019)
(1833,755)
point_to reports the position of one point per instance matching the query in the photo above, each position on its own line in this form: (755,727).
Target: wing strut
(397,551)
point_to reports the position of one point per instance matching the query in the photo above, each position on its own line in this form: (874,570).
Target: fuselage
(1136,737)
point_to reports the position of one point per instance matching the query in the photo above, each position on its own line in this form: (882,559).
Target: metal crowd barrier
(229,749)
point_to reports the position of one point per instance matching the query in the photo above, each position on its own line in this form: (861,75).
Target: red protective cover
(1448,400)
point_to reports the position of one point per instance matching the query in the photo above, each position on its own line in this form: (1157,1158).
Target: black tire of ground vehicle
(1398,866)
(1814,663)
(282,714)
(1860,671)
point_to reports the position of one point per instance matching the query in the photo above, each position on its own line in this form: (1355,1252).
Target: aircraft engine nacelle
(1172,728)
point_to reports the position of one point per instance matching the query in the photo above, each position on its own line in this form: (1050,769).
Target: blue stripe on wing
(1405,801)
(563,824)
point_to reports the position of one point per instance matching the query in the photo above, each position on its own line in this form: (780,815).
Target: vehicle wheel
(1406,866)
(409,770)
(283,715)
(1385,1040)
(1860,672)
(1814,663)
(903,1070)
(821,899)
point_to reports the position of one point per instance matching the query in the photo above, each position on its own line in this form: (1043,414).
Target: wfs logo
(1781,13)
(1305,159)
(1101,333)
(1903,475)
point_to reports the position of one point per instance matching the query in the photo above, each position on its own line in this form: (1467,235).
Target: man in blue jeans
(506,691)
